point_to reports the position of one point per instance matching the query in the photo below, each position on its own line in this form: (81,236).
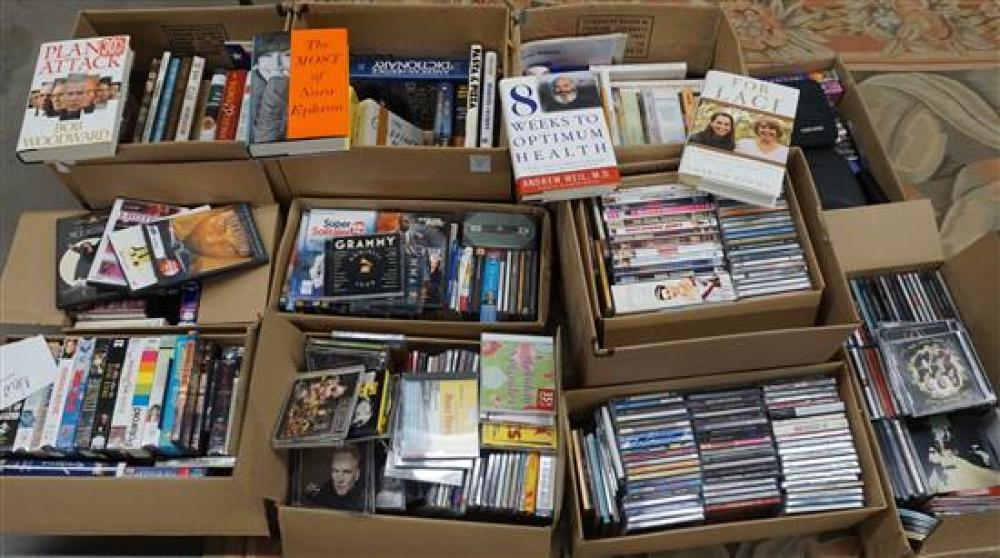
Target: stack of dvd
(763,247)
(819,463)
(666,234)
(739,462)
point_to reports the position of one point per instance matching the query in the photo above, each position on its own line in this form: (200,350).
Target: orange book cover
(318,96)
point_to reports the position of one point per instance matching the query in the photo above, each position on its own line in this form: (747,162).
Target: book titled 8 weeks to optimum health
(740,138)
(560,146)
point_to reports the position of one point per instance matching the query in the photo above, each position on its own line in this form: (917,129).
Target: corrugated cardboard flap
(885,236)
(973,277)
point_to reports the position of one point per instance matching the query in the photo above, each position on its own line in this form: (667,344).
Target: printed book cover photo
(74,107)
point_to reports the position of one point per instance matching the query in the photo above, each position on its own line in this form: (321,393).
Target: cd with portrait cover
(341,478)
(319,409)
(956,451)
(933,367)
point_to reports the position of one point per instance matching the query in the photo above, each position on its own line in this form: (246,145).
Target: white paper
(25,367)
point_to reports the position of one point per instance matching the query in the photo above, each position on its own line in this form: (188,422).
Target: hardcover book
(364,266)
(77,242)
(740,138)
(78,92)
(374,124)
(300,96)
(517,378)
(560,146)
(406,86)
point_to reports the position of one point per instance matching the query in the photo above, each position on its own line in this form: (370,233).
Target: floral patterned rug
(870,34)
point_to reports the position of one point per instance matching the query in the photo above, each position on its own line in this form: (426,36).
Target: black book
(77,240)
(364,266)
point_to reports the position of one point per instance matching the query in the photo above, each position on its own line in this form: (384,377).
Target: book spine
(74,398)
(185,400)
(461,109)
(199,110)
(193,441)
(229,110)
(488,105)
(490,288)
(166,96)
(210,122)
(443,115)
(141,397)
(154,104)
(151,428)
(177,100)
(171,401)
(472,103)
(147,99)
(122,416)
(57,402)
(243,124)
(186,118)
(88,411)
(101,430)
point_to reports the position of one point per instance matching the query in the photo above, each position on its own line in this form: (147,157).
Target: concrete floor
(23,25)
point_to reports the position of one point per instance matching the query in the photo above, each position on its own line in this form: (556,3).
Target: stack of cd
(917,526)
(517,483)
(819,463)
(902,461)
(739,464)
(765,254)
(662,472)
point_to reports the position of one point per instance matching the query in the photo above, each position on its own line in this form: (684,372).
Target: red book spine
(229,111)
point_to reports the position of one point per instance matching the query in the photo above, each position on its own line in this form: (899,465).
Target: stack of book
(472,266)
(429,458)
(667,459)
(128,406)
(932,405)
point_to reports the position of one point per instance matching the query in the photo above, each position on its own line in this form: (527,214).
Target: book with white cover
(74,107)
(740,138)
(560,146)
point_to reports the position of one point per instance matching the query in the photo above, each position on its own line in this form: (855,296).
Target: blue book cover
(445,113)
(163,109)
(491,289)
(171,393)
(74,400)
(419,69)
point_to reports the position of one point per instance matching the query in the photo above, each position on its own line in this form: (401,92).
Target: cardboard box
(839,224)
(458,329)
(700,35)
(142,506)
(313,532)
(185,32)
(908,239)
(704,350)
(579,403)
(28,283)
(418,172)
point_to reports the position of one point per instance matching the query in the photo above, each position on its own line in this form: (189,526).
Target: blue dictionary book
(163,109)
(428,69)
(445,113)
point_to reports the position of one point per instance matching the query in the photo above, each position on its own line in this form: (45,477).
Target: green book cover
(517,374)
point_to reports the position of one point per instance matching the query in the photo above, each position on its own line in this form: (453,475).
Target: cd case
(319,409)
(933,367)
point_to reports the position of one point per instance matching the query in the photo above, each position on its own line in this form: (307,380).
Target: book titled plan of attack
(560,146)
(74,107)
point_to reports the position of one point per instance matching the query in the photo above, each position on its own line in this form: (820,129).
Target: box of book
(421,457)
(426,121)
(925,361)
(848,163)
(685,463)
(700,275)
(63,268)
(133,413)
(648,61)
(181,100)
(412,266)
